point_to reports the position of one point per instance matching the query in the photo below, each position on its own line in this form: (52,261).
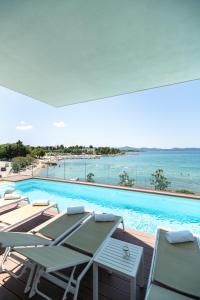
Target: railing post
(85,169)
(64,169)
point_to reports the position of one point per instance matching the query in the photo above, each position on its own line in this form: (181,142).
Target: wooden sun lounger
(88,238)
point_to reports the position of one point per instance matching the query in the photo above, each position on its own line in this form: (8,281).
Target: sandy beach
(29,171)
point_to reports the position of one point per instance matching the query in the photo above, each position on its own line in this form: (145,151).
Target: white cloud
(60,124)
(24,126)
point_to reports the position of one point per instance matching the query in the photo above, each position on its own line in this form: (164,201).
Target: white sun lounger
(176,266)
(48,233)
(21,215)
(48,261)
(6,203)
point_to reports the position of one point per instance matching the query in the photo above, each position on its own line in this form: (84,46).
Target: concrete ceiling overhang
(69,51)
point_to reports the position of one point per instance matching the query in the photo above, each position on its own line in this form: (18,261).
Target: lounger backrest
(58,226)
(91,235)
(4,203)
(21,213)
(19,239)
(177,265)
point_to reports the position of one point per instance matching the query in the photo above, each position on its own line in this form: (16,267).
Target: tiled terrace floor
(110,287)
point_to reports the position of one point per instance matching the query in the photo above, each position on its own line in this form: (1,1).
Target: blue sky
(164,117)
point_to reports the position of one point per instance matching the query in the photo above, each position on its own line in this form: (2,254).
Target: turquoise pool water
(141,211)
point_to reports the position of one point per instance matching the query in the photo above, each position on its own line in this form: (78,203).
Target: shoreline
(183,174)
(29,171)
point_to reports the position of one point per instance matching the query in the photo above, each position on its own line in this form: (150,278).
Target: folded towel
(181,236)
(12,196)
(9,191)
(40,203)
(72,210)
(104,217)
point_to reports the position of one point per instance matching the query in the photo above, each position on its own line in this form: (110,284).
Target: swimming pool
(141,211)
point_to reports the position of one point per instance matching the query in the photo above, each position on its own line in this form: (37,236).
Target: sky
(164,117)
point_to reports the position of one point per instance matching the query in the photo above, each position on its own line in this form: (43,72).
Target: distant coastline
(128,149)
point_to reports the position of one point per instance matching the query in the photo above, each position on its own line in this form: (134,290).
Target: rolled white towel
(40,203)
(72,210)
(12,196)
(181,236)
(104,217)
(9,191)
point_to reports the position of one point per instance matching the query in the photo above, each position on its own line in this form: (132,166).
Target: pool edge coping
(106,185)
(134,189)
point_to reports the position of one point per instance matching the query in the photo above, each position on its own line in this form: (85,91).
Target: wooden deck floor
(110,286)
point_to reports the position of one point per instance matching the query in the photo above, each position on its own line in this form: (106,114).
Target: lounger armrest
(25,198)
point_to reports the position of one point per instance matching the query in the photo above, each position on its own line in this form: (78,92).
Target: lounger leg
(57,207)
(35,281)
(14,275)
(27,199)
(95,281)
(123,226)
(34,290)
(30,278)
(141,272)
(4,269)
(69,283)
(81,275)
(6,253)
(76,290)
(133,289)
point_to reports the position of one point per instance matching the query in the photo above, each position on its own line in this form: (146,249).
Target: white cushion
(181,236)
(40,203)
(9,191)
(12,196)
(72,210)
(104,217)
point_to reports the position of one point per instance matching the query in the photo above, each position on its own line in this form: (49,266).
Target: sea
(181,167)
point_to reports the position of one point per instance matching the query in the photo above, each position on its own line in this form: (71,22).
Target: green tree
(125,180)
(38,152)
(16,165)
(107,151)
(10,153)
(2,152)
(90,177)
(159,181)
(20,149)
(29,159)
(20,162)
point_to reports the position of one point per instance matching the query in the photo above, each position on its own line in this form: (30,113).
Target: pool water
(141,211)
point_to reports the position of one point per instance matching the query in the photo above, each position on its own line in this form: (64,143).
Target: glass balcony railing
(105,173)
